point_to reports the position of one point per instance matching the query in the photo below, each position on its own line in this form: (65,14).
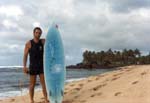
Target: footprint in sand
(99,94)
(118,93)
(115,78)
(76,96)
(65,92)
(143,73)
(135,82)
(92,95)
(12,100)
(106,80)
(97,78)
(117,74)
(74,91)
(77,88)
(89,81)
(98,87)
(72,85)
(81,85)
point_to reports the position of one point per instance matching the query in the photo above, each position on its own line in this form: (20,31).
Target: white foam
(14,66)
(13,93)
(77,79)
(25,90)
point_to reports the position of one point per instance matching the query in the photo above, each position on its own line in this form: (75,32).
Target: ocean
(13,82)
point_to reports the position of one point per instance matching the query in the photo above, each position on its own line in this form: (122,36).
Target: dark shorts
(36,71)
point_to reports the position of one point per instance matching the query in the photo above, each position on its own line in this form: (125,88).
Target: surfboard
(54,65)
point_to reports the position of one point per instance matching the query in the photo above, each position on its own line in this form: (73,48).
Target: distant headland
(110,59)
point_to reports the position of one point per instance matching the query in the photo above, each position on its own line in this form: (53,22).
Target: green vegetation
(114,58)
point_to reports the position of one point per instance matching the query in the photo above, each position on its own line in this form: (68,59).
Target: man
(35,50)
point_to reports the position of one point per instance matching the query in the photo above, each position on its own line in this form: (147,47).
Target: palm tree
(102,56)
(137,55)
(137,52)
(125,56)
(131,56)
(85,57)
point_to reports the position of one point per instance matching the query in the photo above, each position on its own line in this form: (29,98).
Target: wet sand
(130,84)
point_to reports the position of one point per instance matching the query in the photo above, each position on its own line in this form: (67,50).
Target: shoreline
(129,84)
(24,91)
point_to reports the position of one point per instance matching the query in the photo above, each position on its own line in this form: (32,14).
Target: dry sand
(130,84)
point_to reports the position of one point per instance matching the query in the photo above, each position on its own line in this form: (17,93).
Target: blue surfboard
(54,65)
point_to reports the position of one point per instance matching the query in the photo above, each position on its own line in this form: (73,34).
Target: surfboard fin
(62,93)
(50,93)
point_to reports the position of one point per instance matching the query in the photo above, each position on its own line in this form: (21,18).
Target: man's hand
(25,70)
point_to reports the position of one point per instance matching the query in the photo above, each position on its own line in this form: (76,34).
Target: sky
(84,25)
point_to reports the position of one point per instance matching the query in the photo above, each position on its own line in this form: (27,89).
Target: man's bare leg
(42,80)
(31,87)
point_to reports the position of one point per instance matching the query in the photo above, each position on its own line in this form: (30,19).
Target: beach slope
(130,84)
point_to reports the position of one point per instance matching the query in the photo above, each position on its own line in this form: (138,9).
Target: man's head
(37,32)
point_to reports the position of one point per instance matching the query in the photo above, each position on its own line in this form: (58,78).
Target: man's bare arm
(25,57)
(43,41)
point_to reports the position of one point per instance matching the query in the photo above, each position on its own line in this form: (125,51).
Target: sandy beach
(130,84)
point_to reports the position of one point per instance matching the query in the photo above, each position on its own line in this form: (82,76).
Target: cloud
(84,24)
(11,11)
(9,24)
(124,6)
(35,24)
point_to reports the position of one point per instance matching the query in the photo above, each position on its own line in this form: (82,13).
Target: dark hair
(37,28)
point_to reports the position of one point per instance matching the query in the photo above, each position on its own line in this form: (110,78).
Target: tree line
(115,58)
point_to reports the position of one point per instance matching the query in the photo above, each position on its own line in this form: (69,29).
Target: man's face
(37,34)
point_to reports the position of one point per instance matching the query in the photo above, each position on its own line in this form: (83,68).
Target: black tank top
(36,55)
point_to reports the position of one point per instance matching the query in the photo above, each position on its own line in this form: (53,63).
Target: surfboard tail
(57,95)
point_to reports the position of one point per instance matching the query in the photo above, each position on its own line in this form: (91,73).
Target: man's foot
(32,101)
(46,101)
